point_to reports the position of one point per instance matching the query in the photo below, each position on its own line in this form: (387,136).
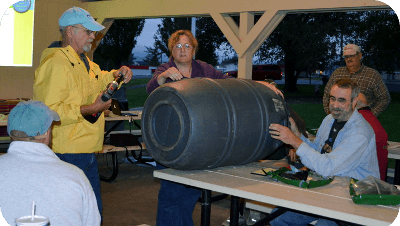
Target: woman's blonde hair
(174,38)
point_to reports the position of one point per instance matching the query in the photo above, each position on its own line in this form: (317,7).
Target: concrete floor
(131,199)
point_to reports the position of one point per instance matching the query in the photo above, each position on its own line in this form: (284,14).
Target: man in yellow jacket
(71,84)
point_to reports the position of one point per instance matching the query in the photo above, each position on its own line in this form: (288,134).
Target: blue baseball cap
(32,117)
(76,15)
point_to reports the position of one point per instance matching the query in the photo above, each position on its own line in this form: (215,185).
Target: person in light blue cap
(31,171)
(73,20)
(71,84)
(76,15)
(31,121)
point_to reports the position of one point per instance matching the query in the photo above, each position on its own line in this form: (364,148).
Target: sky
(148,32)
(146,38)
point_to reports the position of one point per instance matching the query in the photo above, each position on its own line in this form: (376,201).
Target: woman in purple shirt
(182,46)
(176,202)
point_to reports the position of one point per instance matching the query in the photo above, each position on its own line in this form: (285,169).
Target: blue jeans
(88,164)
(176,203)
(297,219)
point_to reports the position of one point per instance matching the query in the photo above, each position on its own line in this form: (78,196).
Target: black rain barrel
(203,123)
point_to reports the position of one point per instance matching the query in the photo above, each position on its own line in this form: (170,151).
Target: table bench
(110,149)
(115,121)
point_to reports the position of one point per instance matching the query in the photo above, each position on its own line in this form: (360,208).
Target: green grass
(303,91)
(312,114)
(390,120)
(136,97)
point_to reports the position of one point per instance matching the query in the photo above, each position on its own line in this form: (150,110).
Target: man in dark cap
(368,80)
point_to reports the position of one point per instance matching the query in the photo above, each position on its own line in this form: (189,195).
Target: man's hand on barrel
(276,90)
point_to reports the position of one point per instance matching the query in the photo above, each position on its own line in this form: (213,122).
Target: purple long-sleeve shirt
(199,69)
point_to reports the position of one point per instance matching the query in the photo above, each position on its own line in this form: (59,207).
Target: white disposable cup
(27,221)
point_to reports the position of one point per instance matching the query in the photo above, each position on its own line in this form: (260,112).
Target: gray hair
(17,135)
(63,29)
(348,84)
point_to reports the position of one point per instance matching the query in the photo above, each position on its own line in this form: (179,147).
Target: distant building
(142,71)
(139,63)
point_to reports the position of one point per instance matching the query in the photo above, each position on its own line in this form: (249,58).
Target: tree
(116,46)
(301,40)
(230,60)
(208,35)
(380,46)
(152,57)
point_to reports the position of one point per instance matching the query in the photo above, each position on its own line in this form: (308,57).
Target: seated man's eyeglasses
(340,100)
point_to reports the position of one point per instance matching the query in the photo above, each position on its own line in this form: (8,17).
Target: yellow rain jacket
(63,83)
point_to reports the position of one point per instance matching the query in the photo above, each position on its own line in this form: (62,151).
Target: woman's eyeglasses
(186,46)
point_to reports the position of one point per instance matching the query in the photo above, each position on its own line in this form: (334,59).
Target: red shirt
(381,138)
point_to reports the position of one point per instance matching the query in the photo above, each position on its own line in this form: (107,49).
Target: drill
(107,95)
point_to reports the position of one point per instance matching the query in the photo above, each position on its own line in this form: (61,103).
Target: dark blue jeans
(88,164)
(176,203)
(296,219)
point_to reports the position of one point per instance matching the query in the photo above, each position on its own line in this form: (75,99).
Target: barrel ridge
(232,125)
(265,123)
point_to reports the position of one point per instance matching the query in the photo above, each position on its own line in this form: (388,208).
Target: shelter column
(245,63)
